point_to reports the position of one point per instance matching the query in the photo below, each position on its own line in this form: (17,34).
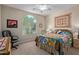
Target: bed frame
(66,30)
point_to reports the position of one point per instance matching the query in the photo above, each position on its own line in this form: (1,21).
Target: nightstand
(76,43)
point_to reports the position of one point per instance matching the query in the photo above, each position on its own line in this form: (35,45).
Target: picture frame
(11,23)
(63,21)
(40,25)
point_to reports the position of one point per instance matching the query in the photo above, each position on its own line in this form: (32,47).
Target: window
(29,24)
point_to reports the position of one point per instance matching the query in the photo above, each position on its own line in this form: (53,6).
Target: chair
(14,39)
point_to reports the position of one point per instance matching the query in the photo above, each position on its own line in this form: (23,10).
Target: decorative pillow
(2,43)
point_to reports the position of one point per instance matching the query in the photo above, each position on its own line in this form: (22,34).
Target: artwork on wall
(63,21)
(40,25)
(11,23)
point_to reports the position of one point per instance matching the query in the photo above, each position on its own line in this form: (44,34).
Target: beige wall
(0,17)
(12,13)
(48,22)
(74,17)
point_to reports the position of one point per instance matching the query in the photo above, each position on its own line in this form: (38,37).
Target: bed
(49,44)
(67,33)
(53,44)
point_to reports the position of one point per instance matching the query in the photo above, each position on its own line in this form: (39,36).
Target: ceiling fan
(42,8)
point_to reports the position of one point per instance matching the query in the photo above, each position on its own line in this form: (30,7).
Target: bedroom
(44,19)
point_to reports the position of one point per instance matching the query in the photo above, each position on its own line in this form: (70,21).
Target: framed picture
(11,23)
(63,21)
(40,25)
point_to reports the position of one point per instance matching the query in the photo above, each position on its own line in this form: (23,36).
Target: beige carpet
(31,49)
(72,51)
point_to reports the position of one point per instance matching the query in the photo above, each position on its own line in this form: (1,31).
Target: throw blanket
(2,43)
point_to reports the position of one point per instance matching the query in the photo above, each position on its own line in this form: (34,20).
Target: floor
(72,51)
(31,49)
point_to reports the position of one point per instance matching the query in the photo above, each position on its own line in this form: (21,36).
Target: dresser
(76,43)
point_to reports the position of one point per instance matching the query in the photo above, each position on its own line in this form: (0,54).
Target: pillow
(2,43)
(1,40)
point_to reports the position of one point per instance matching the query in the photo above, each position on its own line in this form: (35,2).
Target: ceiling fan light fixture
(43,7)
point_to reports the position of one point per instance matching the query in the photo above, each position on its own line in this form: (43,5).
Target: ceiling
(32,8)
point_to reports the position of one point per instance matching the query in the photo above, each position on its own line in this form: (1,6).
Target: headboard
(66,30)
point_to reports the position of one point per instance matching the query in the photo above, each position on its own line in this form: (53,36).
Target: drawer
(76,45)
(76,41)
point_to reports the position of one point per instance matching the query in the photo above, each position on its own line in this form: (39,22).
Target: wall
(74,17)
(0,17)
(12,13)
